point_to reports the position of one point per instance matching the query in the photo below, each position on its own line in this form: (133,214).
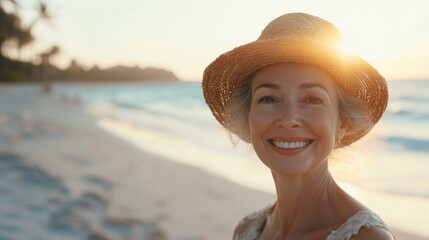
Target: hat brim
(353,74)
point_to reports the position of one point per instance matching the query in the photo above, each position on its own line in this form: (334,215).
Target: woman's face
(294,119)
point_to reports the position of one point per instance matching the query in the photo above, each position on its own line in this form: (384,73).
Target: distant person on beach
(296,98)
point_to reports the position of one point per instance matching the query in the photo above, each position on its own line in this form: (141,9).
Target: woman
(295,97)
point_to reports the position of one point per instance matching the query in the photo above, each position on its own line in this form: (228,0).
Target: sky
(184,36)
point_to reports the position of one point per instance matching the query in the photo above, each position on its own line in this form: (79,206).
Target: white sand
(131,185)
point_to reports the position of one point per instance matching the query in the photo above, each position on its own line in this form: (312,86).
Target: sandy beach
(64,177)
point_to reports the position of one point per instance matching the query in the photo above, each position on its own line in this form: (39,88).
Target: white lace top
(254,223)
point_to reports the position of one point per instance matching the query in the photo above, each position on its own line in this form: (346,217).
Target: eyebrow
(267,85)
(302,86)
(312,85)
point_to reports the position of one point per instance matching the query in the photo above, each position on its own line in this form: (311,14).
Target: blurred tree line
(14,35)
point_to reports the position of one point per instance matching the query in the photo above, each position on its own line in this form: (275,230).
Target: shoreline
(181,200)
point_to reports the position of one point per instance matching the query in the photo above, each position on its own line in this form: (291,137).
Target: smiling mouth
(291,145)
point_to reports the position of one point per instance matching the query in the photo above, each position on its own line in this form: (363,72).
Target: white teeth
(291,145)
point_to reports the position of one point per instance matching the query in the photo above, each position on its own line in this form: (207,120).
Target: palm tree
(11,28)
(43,14)
(24,38)
(8,26)
(46,56)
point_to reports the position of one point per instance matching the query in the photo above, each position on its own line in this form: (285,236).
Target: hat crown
(301,26)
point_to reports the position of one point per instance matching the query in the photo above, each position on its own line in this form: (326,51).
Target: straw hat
(295,38)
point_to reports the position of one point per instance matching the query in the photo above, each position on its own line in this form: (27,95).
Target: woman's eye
(267,99)
(312,100)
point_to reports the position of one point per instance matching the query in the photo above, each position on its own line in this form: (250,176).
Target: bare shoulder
(374,233)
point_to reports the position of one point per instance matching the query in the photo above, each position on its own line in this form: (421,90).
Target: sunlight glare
(345,50)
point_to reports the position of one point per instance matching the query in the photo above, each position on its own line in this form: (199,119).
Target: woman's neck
(304,201)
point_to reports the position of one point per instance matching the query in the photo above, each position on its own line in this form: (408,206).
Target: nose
(289,118)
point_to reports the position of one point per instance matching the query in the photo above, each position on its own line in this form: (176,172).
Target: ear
(342,128)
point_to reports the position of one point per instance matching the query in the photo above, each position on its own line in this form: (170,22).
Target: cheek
(260,119)
(324,122)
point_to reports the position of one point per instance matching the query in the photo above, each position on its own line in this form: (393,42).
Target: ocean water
(393,158)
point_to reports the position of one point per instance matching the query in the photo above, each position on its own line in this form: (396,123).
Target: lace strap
(250,227)
(352,226)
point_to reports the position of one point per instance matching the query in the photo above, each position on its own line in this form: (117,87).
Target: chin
(294,168)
